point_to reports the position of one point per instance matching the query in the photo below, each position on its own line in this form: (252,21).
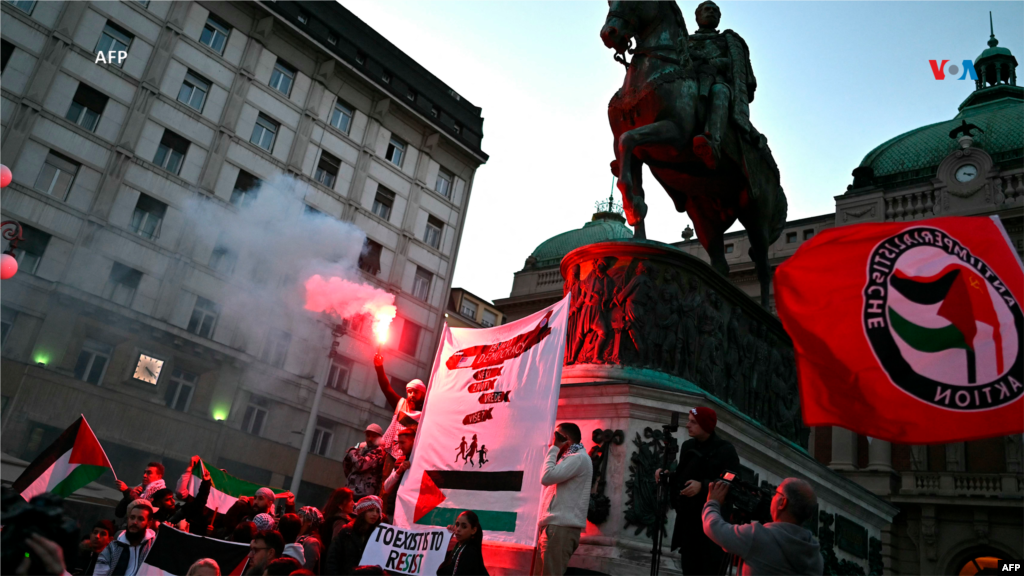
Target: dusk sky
(834,80)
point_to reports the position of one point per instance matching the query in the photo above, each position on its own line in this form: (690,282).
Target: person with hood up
(782,546)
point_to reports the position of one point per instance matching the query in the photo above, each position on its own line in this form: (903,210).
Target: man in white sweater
(566,497)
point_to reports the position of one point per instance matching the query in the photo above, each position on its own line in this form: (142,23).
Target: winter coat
(470,560)
(346,550)
(107,563)
(704,462)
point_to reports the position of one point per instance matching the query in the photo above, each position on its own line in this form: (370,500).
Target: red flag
(909,332)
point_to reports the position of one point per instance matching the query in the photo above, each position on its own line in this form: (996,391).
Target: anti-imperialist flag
(909,332)
(225,488)
(489,414)
(72,461)
(174,551)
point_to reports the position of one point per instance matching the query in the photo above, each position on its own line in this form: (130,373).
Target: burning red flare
(346,299)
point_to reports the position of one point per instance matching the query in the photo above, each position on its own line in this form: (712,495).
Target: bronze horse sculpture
(682,111)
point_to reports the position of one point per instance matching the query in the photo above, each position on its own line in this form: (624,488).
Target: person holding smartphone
(566,497)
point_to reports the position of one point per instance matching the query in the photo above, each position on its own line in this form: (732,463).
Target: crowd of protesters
(331,540)
(281,539)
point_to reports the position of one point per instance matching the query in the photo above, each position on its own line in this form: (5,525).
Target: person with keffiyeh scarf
(566,479)
(152,480)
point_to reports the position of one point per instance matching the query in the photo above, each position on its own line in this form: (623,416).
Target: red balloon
(8,266)
(5,176)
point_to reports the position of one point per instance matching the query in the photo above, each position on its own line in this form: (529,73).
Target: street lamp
(337,332)
(11,231)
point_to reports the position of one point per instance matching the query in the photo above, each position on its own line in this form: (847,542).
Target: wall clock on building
(148,368)
(966,173)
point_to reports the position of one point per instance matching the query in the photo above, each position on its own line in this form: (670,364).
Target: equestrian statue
(683,110)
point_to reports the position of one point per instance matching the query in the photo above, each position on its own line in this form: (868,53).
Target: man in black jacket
(701,458)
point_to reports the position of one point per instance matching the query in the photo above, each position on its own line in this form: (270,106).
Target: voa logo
(940,70)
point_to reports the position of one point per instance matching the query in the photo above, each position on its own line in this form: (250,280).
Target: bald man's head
(800,499)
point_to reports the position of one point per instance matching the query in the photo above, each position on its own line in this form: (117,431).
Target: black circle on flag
(941,323)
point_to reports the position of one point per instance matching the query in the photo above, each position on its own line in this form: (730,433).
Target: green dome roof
(604,226)
(916,154)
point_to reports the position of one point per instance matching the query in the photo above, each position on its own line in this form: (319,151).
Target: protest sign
(484,433)
(402,551)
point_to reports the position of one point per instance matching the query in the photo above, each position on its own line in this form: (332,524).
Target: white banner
(406,551)
(486,425)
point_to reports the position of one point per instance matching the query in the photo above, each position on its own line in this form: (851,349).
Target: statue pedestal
(655,331)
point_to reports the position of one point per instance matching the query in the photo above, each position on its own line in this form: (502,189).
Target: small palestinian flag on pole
(225,489)
(72,461)
(909,332)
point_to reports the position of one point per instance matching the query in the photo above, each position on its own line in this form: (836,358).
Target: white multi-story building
(131,305)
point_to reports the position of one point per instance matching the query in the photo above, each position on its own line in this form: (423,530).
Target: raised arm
(734,539)
(385,385)
(555,473)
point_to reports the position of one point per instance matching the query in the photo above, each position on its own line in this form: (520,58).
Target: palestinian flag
(72,461)
(225,488)
(963,300)
(909,332)
(467,490)
(174,552)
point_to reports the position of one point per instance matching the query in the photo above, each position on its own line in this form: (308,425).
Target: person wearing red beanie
(702,459)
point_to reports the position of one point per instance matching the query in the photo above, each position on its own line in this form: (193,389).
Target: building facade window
(322,436)
(369,258)
(31,249)
(729,248)
(246,186)
(410,339)
(114,39)
(443,184)
(468,309)
(25,6)
(86,107)
(6,51)
(57,175)
(180,390)
(282,78)
(122,284)
(327,170)
(275,349)
(264,132)
(223,258)
(204,318)
(303,18)
(148,215)
(421,284)
(143,3)
(170,155)
(790,237)
(396,151)
(337,378)
(332,39)
(215,34)
(7,317)
(808,234)
(253,420)
(193,90)
(489,319)
(383,202)
(432,234)
(341,116)
(92,361)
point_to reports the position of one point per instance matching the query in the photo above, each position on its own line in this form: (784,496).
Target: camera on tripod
(745,501)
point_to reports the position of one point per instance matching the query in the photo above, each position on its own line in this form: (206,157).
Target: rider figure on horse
(726,83)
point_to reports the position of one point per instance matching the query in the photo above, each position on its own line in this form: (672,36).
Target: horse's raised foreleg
(664,131)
